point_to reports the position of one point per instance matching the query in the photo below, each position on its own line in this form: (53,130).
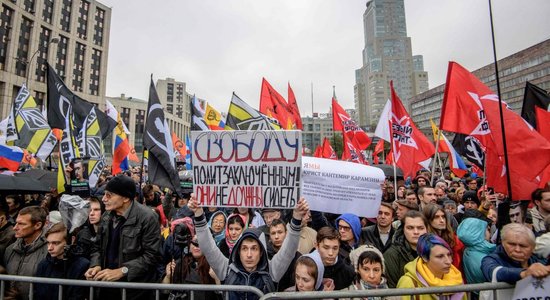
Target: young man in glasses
(349,227)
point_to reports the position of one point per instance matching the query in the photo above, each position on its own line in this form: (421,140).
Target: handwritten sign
(247,168)
(341,187)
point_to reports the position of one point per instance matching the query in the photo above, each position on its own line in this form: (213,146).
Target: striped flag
(10,157)
(456,164)
(242,116)
(213,118)
(121,146)
(197,114)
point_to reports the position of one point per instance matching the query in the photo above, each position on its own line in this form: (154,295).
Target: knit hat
(54,217)
(407,204)
(354,255)
(122,185)
(470,196)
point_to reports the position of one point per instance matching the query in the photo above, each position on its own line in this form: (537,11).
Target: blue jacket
(472,233)
(510,271)
(73,268)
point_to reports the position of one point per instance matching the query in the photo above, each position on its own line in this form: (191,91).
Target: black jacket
(139,248)
(55,268)
(341,272)
(370,235)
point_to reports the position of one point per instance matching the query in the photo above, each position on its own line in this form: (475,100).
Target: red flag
(411,148)
(477,170)
(293,106)
(389,158)
(543,122)
(179,147)
(379,148)
(470,107)
(132,155)
(274,105)
(328,151)
(351,151)
(318,152)
(341,121)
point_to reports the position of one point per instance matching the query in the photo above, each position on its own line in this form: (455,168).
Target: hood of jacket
(471,232)
(355,225)
(542,247)
(316,257)
(259,236)
(215,214)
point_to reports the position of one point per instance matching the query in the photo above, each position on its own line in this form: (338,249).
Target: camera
(182,235)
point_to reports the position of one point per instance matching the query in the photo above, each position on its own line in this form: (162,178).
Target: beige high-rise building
(73,36)
(176,102)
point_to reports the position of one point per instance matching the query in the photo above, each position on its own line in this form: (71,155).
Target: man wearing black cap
(470,201)
(128,246)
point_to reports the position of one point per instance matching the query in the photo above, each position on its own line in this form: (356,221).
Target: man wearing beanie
(128,247)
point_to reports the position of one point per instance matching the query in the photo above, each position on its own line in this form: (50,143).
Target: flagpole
(312,120)
(436,155)
(508,181)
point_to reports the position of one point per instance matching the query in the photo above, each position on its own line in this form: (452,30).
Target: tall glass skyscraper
(387,56)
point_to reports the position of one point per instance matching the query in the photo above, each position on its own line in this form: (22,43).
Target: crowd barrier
(159,288)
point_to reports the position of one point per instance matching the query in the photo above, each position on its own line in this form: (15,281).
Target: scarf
(452,278)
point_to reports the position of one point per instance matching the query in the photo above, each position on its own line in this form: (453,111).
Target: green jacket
(396,257)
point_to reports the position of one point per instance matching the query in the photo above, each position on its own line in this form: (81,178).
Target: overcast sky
(220,46)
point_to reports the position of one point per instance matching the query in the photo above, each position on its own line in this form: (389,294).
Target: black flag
(470,148)
(158,141)
(59,96)
(534,96)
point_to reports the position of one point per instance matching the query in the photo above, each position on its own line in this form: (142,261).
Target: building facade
(73,36)
(387,56)
(531,64)
(315,130)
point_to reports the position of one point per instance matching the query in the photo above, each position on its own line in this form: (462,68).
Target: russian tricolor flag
(10,157)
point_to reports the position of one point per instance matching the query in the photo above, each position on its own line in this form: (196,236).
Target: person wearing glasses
(128,244)
(349,227)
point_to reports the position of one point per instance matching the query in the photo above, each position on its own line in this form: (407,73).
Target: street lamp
(54,40)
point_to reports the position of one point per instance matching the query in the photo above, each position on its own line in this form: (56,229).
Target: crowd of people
(425,235)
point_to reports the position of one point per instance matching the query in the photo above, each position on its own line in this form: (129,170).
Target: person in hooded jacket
(309,275)
(432,268)
(475,233)
(216,223)
(349,227)
(248,263)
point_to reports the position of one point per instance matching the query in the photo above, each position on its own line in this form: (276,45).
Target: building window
(61,59)
(23,47)
(125,115)
(98,26)
(94,72)
(78,69)
(47,12)
(170,108)
(82,28)
(138,132)
(5,29)
(42,57)
(39,97)
(65,21)
(28,5)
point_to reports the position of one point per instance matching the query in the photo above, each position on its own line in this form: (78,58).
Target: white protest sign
(341,187)
(532,288)
(247,168)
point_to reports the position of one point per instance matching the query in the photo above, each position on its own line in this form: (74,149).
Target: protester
(471,184)
(368,262)
(60,263)
(514,259)
(470,201)
(410,196)
(14,205)
(475,233)
(336,268)
(541,198)
(349,227)
(22,257)
(439,223)
(248,263)
(308,236)
(380,235)
(403,248)
(216,223)
(309,275)
(128,247)
(7,235)
(190,268)
(87,235)
(234,227)
(277,236)
(432,268)
(426,195)
(250,216)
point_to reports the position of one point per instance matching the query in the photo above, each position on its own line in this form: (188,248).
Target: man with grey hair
(514,259)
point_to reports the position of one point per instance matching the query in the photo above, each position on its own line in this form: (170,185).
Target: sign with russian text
(532,288)
(247,168)
(341,187)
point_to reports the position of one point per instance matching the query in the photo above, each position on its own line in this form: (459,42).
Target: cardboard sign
(342,187)
(247,168)
(532,288)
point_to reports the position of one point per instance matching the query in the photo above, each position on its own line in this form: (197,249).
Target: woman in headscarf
(309,273)
(432,268)
(217,226)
